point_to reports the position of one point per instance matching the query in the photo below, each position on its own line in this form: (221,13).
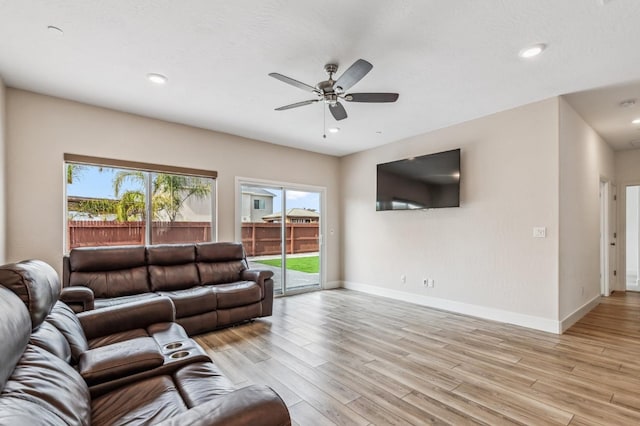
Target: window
(259,205)
(108,203)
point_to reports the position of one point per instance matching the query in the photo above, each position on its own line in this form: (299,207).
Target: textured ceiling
(451,61)
(602,109)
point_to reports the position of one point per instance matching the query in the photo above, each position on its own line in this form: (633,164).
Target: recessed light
(55,30)
(627,103)
(334,129)
(532,51)
(157,78)
(636,121)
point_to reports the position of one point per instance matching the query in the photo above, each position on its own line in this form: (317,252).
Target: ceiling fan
(331,91)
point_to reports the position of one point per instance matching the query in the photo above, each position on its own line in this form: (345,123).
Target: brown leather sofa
(210,284)
(111,366)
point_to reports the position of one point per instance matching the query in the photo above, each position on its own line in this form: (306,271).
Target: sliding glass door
(280,229)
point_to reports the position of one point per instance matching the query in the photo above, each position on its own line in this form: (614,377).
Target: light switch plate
(539,232)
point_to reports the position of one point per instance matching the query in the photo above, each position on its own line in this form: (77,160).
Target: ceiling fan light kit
(332,91)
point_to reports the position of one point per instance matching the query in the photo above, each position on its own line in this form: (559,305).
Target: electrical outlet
(539,232)
(431,283)
(403,279)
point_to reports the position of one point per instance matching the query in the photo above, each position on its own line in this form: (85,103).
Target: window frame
(262,204)
(149,169)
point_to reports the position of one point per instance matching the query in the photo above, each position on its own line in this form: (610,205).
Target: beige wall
(3,131)
(482,255)
(42,129)
(585,160)
(627,173)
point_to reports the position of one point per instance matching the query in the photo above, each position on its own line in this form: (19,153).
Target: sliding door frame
(239,181)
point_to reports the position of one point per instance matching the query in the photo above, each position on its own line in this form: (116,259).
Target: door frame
(239,181)
(622,214)
(604,189)
(614,251)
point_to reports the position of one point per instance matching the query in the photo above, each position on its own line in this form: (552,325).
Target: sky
(99,184)
(297,199)
(93,183)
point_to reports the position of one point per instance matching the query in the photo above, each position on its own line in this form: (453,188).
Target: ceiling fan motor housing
(327,91)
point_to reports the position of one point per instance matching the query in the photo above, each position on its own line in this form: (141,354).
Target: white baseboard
(529,321)
(575,316)
(332,284)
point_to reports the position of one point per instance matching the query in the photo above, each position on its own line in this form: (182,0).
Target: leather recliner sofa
(111,366)
(210,284)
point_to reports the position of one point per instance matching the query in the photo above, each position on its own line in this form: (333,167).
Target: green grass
(310,265)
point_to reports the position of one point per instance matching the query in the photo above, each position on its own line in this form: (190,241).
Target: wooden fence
(264,238)
(88,233)
(258,238)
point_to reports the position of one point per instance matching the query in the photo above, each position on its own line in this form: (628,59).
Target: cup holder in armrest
(180,354)
(172,346)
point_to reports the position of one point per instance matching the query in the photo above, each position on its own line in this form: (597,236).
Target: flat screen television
(426,182)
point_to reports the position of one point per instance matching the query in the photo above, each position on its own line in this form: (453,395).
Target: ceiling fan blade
(353,74)
(338,111)
(293,82)
(371,97)
(297,104)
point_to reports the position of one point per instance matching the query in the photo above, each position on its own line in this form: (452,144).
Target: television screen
(425,182)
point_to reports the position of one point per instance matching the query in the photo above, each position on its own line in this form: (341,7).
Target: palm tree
(168,193)
(74,171)
(130,207)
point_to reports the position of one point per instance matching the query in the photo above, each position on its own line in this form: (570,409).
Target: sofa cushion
(15,328)
(172,267)
(220,272)
(220,262)
(122,282)
(201,382)
(49,338)
(44,379)
(109,271)
(145,402)
(237,294)
(99,259)
(65,320)
(36,283)
(171,254)
(173,277)
(16,411)
(192,301)
(113,301)
(219,252)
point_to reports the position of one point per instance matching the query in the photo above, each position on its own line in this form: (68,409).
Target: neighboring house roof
(257,191)
(296,212)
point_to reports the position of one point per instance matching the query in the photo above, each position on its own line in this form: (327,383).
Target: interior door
(632,237)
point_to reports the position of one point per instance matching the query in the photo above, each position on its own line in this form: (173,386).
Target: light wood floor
(343,357)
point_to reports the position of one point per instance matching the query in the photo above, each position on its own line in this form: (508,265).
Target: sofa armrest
(78,298)
(127,316)
(119,360)
(257,275)
(253,405)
